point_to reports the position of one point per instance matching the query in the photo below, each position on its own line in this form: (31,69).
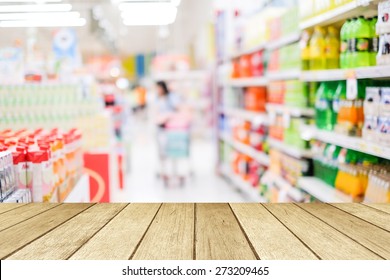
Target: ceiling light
(44,23)
(39,16)
(148,13)
(30,1)
(35,8)
(175,3)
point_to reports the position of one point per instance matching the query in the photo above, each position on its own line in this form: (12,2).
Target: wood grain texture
(23,233)
(218,234)
(270,238)
(382,207)
(170,236)
(372,215)
(21,214)
(63,241)
(370,236)
(5,207)
(120,237)
(324,240)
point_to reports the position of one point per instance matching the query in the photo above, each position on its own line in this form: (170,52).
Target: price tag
(286,119)
(352,88)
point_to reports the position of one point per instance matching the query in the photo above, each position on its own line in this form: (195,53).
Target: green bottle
(344,44)
(374,48)
(325,116)
(361,33)
(340,95)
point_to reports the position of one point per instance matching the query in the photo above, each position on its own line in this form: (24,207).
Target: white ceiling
(191,16)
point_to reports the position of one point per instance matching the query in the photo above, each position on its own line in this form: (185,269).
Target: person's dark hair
(164,86)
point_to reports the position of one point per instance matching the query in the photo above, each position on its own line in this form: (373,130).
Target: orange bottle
(255,99)
(245,69)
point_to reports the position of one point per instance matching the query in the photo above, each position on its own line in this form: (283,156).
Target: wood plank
(120,237)
(170,236)
(19,235)
(218,234)
(270,238)
(63,241)
(21,214)
(324,240)
(5,207)
(381,206)
(370,236)
(371,215)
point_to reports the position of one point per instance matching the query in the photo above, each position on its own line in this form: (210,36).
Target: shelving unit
(312,186)
(252,193)
(180,75)
(289,150)
(322,191)
(352,143)
(260,118)
(260,157)
(292,111)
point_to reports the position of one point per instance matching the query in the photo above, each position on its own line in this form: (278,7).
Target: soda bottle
(350,35)
(361,33)
(374,41)
(317,50)
(325,116)
(344,49)
(332,51)
(305,50)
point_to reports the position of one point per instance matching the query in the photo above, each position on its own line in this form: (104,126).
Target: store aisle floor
(142,185)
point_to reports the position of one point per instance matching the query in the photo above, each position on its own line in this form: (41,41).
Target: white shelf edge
(243,186)
(260,157)
(322,191)
(247,82)
(246,115)
(281,75)
(284,41)
(348,142)
(328,16)
(292,151)
(293,111)
(342,74)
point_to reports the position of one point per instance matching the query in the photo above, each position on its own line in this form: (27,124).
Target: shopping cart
(174,149)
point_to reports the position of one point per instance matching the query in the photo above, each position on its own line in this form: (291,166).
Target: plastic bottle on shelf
(317,49)
(361,33)
(344,44)
(305,50)
(374,46)
(332,51)
(325,116)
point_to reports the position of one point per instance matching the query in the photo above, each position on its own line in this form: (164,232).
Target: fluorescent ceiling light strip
(30,1)
(35,8)
(144,7)
(43,23)
(40,16)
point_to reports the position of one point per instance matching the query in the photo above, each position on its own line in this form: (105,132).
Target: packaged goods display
(47,163)
(340,97)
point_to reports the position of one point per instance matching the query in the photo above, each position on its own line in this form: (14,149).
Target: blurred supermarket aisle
(142,185)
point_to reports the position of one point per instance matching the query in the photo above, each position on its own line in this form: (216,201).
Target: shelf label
(352,88)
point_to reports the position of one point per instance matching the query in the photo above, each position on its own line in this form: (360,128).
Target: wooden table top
(195,231)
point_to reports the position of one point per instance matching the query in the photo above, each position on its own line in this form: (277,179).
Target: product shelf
(348,142)
(246,115)
(80,193)
(242,185)
(248,82)
(260,157)
(289,150)
(293,74)
(284,41)
(322,191)
(254,49)
(292,111)
(284,186)
(374,72)
(352,9)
